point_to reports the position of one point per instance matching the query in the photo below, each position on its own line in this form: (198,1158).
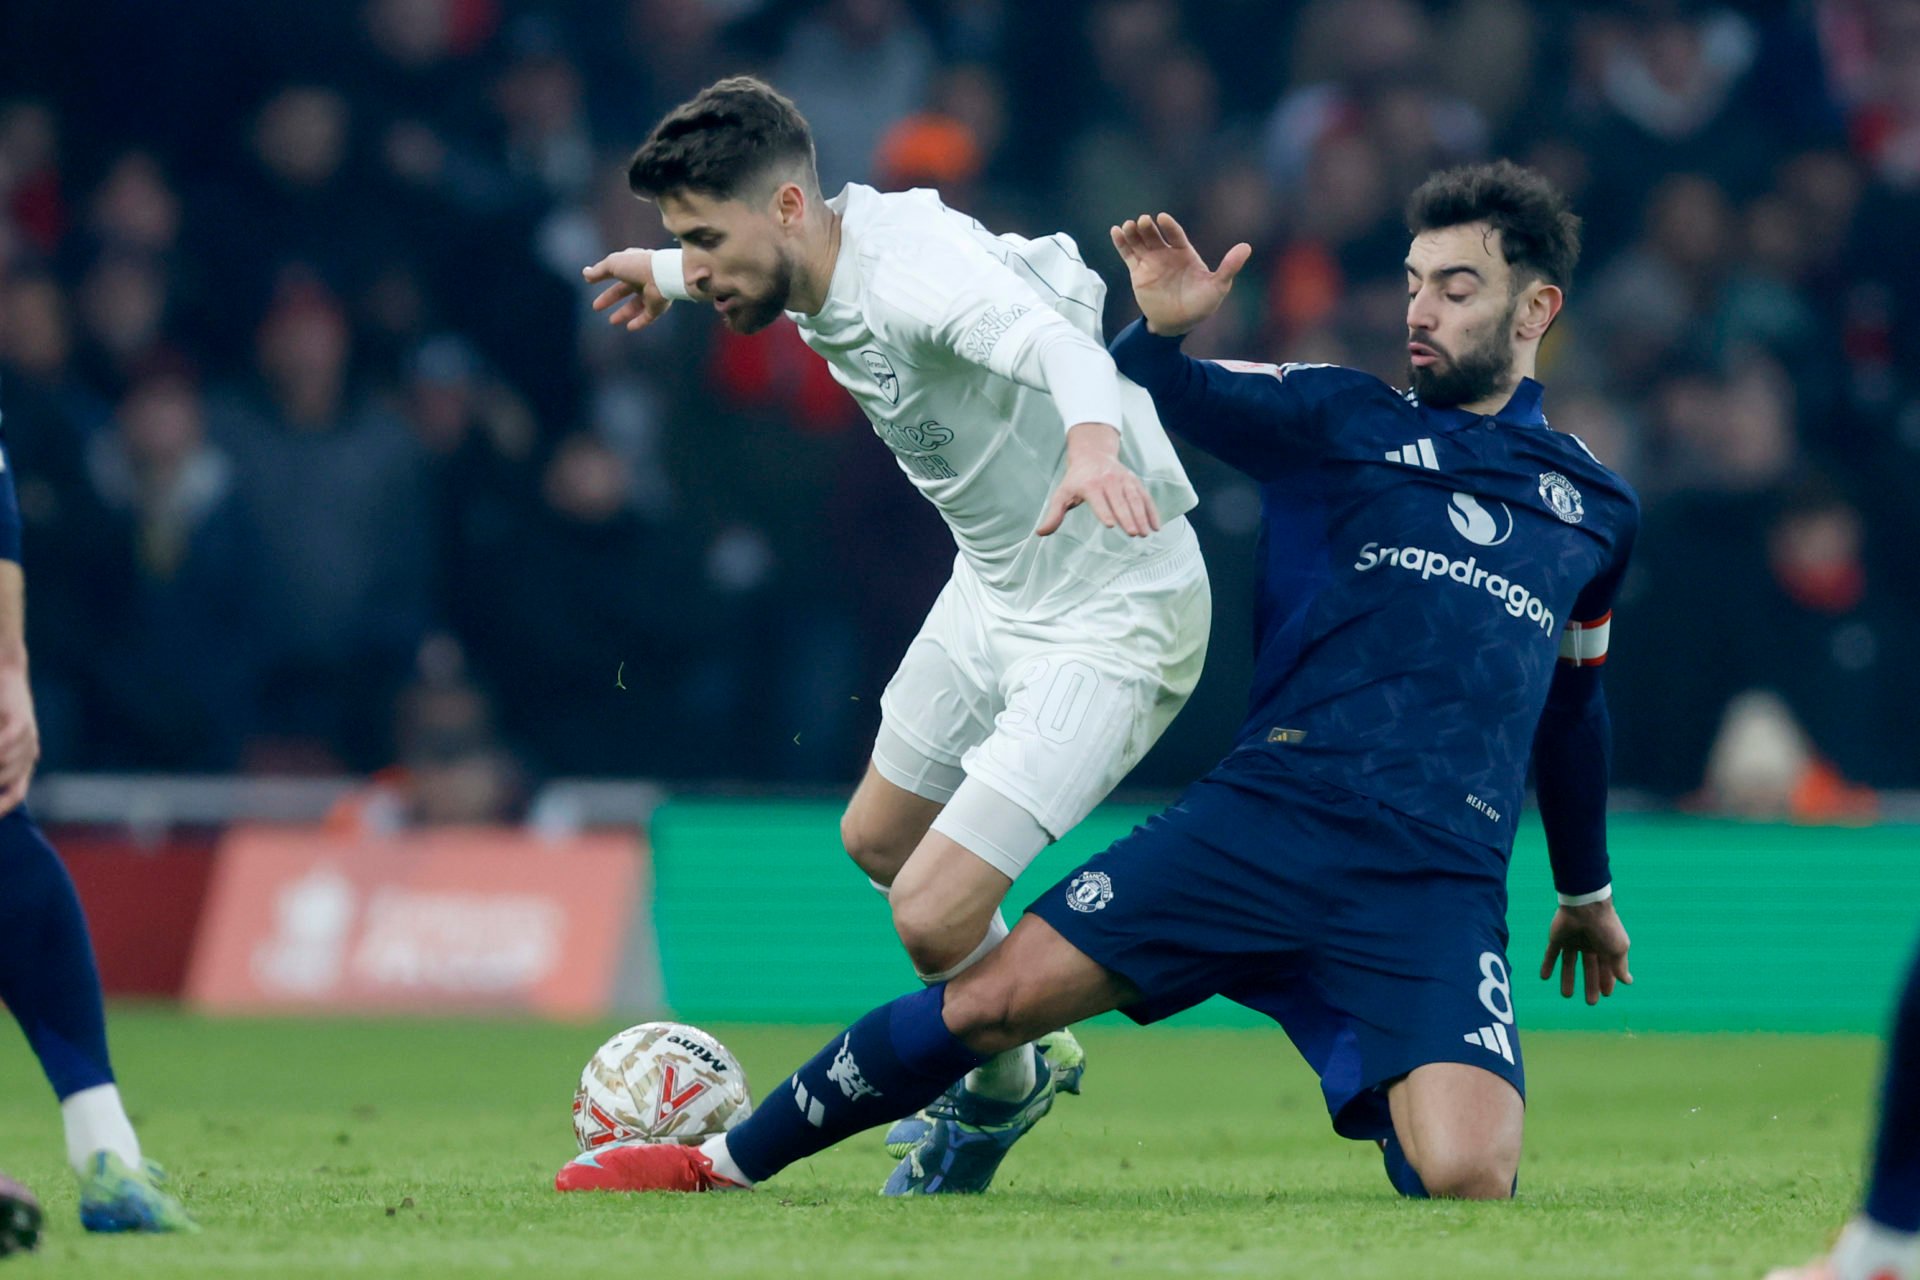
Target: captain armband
(1584,644)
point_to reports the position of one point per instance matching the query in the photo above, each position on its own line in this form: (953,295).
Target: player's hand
(1097,477)
(19,737)
(636,300)
(1593,936)
(1170,281)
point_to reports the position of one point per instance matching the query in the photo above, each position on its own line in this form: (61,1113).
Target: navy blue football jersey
(1422,571)
(9,506)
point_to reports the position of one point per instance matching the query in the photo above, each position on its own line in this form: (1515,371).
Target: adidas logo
(1493,1039)
(1417,454)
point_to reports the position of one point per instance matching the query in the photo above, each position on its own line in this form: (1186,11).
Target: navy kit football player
(47,976)
(1438,571)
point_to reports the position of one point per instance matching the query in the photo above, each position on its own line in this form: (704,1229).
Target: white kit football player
(1075,623)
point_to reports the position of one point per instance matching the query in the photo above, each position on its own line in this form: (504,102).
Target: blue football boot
(1064,1058)
(114,1197)
(967,1136)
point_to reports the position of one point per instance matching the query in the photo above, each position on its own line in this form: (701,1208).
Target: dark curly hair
(1539,233)
(722,141)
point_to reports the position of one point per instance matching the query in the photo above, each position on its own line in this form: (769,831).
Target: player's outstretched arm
(1171,282)
(633,297)
(19,730)
(1255,417)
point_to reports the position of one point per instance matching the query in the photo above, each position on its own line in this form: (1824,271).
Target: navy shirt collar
(1523,409)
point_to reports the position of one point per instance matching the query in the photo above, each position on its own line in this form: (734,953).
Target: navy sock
(889,1064)
(47,975)
(1893,1188)
(1400,1173)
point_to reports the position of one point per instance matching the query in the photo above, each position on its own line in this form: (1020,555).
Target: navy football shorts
(1377,942)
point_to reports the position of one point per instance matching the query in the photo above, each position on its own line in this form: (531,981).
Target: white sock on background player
(1868,1251)
(96,1120)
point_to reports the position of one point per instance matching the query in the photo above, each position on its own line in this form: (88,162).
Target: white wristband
(1583,899)
(670,274)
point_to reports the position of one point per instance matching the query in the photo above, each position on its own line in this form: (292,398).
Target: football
(659,1082)
(19,1218)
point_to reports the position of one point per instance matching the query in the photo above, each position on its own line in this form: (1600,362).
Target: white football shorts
(1051,714)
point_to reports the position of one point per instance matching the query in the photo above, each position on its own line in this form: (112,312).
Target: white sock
(715,1150)
(1867,1249)
(96,1121)
(1005,1077)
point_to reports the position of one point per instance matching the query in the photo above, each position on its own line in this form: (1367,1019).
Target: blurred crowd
(326,464)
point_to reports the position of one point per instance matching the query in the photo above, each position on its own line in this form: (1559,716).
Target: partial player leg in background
(1893,1190)
(897,1058)
(1883,1242)
(49,982)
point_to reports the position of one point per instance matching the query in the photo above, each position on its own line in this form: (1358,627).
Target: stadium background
(405,642)
(346,516)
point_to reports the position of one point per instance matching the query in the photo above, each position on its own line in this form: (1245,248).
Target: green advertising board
(1736,926)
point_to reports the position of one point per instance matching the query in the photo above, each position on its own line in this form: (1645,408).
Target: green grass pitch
(427,1149)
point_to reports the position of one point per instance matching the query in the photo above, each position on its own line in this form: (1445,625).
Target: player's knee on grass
(1482,1170)
(1467,1165)
(1461,1127)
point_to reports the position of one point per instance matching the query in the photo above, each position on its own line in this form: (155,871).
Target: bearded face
(1466,310)
(737,255)
(1480,367)
(752,306)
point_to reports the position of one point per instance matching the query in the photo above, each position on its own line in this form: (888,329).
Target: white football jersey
(926,321)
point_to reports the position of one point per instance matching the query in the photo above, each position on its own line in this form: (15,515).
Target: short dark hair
(722,141)
(1539,233)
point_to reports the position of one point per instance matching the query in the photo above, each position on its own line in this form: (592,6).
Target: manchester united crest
(1559,494)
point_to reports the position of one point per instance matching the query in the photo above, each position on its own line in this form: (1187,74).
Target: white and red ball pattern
(659,1082)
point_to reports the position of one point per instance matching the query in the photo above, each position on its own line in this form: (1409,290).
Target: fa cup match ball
(659,1082)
